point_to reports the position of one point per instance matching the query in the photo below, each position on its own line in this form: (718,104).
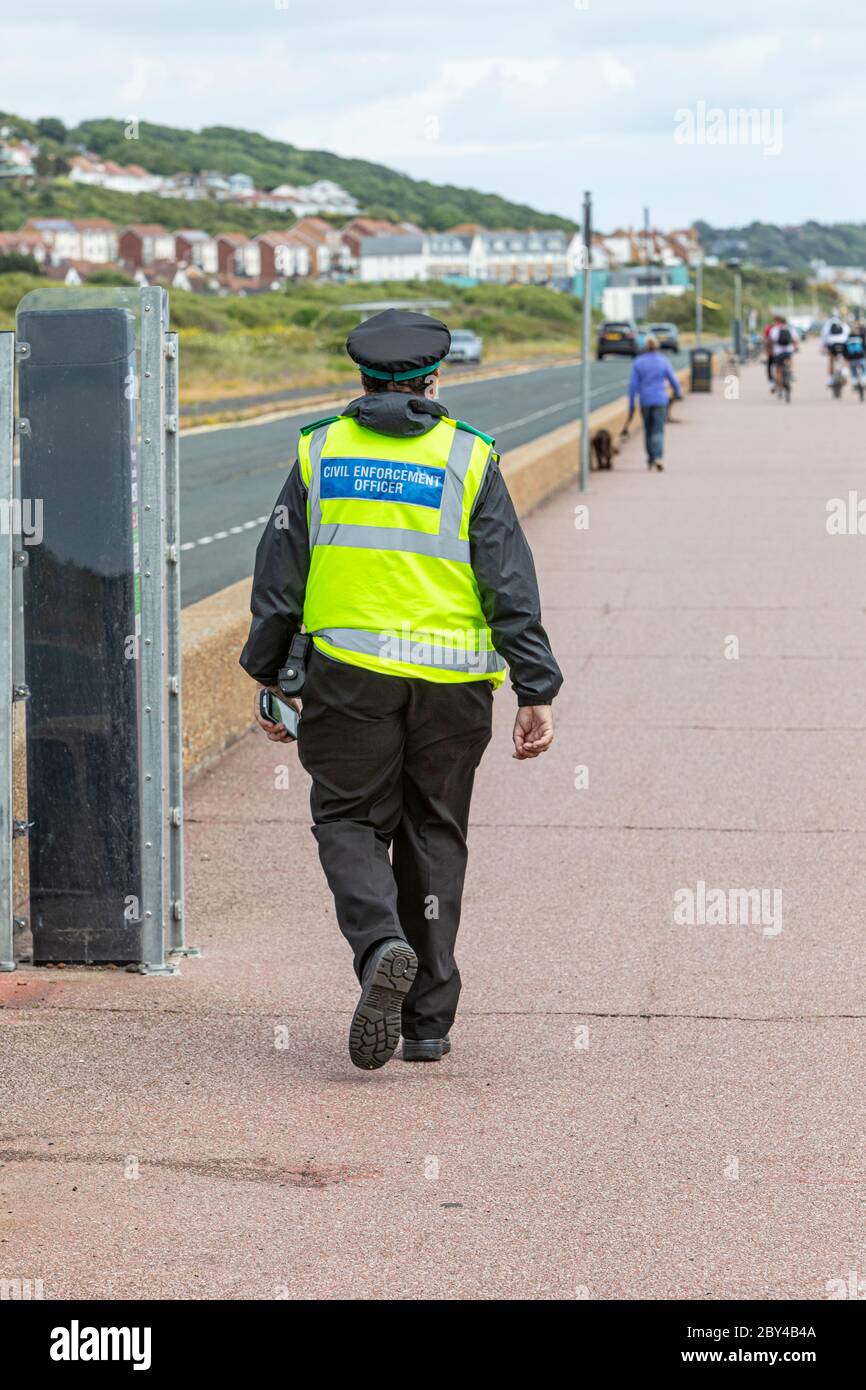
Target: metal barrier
(98,392)
(7,548)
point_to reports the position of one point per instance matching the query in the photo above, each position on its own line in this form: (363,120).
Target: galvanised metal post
(176,929)
(7,547)
(587,327)
(154,634)
(699,300)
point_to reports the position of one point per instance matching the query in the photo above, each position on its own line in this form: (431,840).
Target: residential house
(620,247)
(144,243)
(214,184)
(99,243)
(324,243)
(71,273)
(629,294)
(16,159)
(240,183)
(353,234)
(400,257)
(120,178)
(238,255)
(519,257)
(24,244)
(59,234)
(197,248)
(312,199)
(283,255)
(188,186)
(449,254)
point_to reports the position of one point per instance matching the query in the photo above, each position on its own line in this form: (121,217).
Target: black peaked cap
(398,344)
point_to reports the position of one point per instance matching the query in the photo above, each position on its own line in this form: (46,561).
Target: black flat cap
(398,344)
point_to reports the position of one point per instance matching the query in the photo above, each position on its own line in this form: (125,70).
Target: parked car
(667,333)
(620,337)
(465,346)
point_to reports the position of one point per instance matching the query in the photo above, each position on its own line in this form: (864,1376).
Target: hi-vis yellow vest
(390,585)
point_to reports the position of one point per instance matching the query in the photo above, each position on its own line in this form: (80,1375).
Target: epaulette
(488,438)
(328,420)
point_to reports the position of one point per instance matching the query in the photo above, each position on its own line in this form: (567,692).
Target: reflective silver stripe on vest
(317,443)
(392,538)
(354,639)
(443,545)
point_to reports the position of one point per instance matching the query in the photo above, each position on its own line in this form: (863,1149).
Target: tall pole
(587,348)
(699,300)
(738,312)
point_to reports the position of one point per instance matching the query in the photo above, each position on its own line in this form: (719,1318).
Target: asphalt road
(230,477)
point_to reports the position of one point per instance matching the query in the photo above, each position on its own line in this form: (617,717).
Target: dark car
(667,333)
(619,337)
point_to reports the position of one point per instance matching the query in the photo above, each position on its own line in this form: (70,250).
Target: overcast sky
(533,99)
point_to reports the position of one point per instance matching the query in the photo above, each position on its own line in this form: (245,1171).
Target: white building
(120,178)
(283,255)
(523,257)
(312,199)
(393,258)
(450,254)
(195,247)
(60,235)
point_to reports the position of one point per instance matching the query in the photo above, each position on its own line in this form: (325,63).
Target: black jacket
(500,556)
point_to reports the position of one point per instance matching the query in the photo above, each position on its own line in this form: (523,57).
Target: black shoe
(375,1029)
(425,1049)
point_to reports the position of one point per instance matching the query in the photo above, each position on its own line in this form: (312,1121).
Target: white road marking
(223,535)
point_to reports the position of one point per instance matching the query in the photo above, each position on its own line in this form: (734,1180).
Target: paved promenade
(637,1105)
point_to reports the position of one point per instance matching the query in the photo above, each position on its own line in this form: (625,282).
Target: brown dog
(604,449)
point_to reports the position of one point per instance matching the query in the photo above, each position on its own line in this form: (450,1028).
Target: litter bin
(702,369)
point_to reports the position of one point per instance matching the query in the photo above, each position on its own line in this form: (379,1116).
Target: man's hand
(277,733)
(533,731)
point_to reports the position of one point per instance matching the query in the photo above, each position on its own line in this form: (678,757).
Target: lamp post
(698,263)
(585,365)
(734,265)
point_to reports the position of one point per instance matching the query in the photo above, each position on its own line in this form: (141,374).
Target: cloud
(534,103)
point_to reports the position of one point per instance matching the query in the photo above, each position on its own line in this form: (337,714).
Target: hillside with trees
(382,192)
(792,248)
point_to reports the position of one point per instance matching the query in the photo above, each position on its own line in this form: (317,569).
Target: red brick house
(143,243)
(238,255)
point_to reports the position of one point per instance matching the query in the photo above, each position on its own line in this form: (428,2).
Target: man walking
(395,545)
(650,376)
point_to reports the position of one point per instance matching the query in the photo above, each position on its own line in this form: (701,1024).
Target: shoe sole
(375,1028)
(432,1051)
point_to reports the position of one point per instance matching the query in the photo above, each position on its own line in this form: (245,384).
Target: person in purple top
(650,377)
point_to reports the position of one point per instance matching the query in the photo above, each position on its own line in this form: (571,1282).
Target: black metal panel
(80,603)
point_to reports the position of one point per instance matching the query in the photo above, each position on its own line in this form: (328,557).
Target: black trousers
(392,762)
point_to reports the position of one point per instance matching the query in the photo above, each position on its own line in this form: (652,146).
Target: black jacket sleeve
(279,583)
(503,566)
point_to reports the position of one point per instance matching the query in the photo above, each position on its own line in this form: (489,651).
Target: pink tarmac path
(635,1107)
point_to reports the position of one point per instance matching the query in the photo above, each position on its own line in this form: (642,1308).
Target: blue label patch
(382,480)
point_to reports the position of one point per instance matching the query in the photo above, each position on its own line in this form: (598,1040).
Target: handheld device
(276,711)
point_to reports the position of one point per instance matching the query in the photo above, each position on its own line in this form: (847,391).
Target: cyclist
(834,336)
(768,353)
(782,344)
(855,351)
